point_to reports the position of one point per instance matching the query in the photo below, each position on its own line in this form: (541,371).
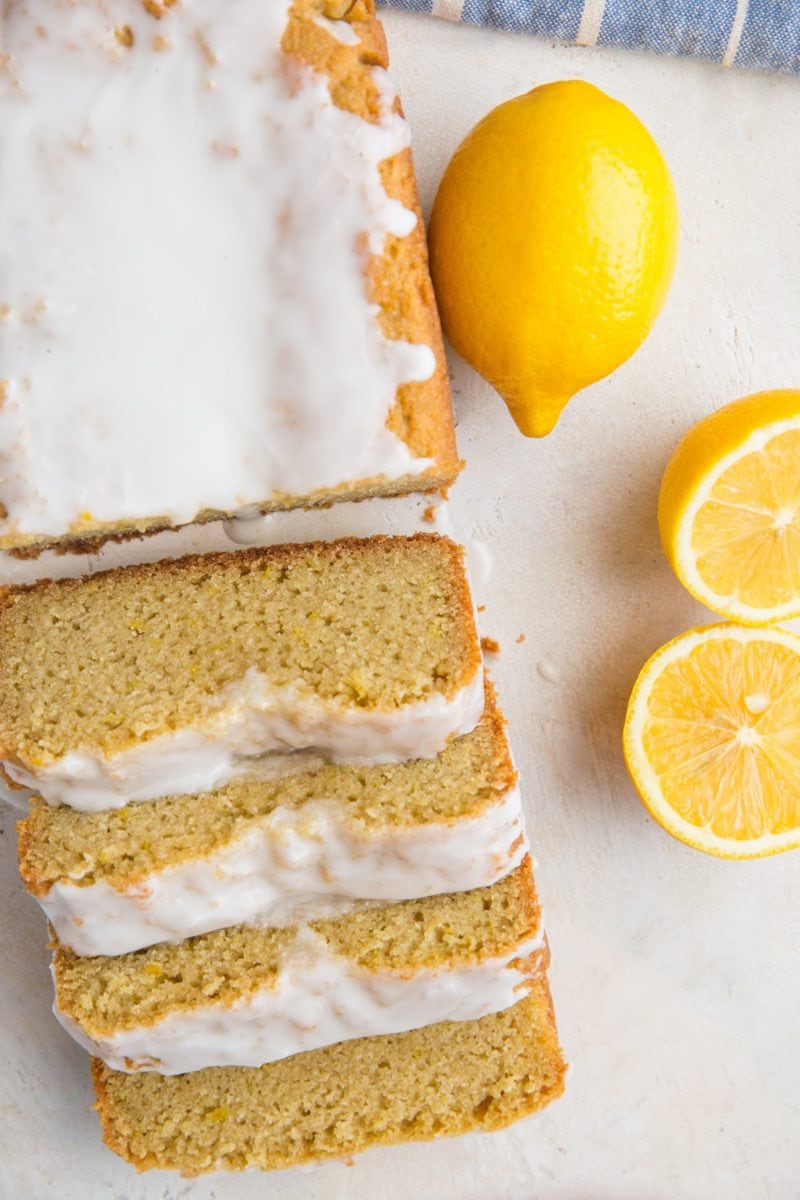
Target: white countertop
(676,977)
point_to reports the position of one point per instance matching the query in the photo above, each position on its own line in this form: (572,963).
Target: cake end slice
(440,1081)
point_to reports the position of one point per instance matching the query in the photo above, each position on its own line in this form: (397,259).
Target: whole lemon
(553,238)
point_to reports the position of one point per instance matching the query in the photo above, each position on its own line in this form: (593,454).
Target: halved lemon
(712,739)
(729,509)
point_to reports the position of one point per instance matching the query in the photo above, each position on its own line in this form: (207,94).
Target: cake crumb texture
(124,846)
(440,1081)
(108,995)
(112,660)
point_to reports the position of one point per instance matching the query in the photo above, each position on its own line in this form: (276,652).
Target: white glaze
(340,30)
(320,999)
(248,719)
(282,863)
(183,317)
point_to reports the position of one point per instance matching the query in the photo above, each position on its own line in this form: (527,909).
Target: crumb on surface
(490,645)
(225,150)
(481,608)
(429,514)
(157,8)
(205,49)
(7,69)
(124,35)
(520,639)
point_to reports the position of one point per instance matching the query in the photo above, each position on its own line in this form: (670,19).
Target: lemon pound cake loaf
(151,374)
(115,881)
(170,678)
(250,995)
(437,1081)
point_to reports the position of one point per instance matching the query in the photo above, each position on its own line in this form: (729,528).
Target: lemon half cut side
(729,509)
(712,739)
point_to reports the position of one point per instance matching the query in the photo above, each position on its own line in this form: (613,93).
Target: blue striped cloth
(763,34)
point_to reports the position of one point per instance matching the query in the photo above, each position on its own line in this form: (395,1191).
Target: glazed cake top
(185,220)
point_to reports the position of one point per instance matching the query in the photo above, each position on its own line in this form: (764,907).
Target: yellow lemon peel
(553,240)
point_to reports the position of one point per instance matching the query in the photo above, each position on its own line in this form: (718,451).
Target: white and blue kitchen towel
(762,34)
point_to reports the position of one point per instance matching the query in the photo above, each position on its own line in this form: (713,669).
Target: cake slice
(438,1081)
(115,881)
(217,296)
(171,678)
(249,995)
